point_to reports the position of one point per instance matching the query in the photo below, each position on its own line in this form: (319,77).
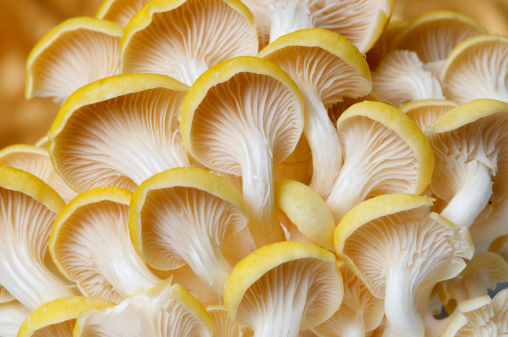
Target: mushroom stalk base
(190,69)
(289,16)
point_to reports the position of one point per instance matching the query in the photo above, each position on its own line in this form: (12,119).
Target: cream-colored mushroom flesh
(91,246)
(5,296)
(283,288)
(262,109)
(426,111)
(401,77)
(28,209)
(470,147)
(434,34)
(183,216)
(76,52)
(35,160)
(12,315)
(184,38)
(359,21)
(119,131)
(223,326)
(477,68)
(58,317)
(119,11)
(163,311)
(490,224)
(397,247)
(326,67)
(384,152)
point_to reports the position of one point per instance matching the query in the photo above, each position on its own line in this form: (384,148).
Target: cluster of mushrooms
(267,168)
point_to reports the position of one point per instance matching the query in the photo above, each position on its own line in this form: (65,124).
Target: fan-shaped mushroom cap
(262,110)
(183,38)
(307,211)
(401,77)
(183,216)
(162,311)
(284,287)
(434,34)
(384,152)
(360,311)
(58,317)
(74,53)
(397,247)
(119,131)
(426,111)
(12,315)
(90,245)
(477,68)
(223,326)
(481,316)
(490,224)
(29,207)
(35,160)
(500,246)
(382,45)
(359,21)
(326,68)
(119,11)
(470,147)
(338,109)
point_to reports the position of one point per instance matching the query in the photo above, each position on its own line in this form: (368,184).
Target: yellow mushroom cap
(119,11)
(426,111)
(74,53)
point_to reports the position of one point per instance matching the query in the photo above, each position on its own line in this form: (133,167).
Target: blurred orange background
(24,22)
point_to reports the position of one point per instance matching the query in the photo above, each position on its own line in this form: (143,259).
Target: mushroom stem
(324,144)
(400,308)
(190,69)
(258,191)
(289,16)
(472,197)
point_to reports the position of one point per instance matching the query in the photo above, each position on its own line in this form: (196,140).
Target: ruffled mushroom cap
(283,288)
(401,77)
(480,316)
(426,111)
(119,11)
(91,246)
(262,110)
(12,315)
(470,147)
(119,131)
(477,68)
(74,53)
(307,211)
(163,311)
(326,67)
(500,246)
(434,34)
(35,160)
(384,152)
(183,216)
(58,317)
(398,248)
(490,224)
(29,208)
(183,38)
(359,21)
(360,311)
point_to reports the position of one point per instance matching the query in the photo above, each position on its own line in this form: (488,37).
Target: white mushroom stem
(289,16)
(190,69)
(257,174)
(400,308)
(472,197)
(324,144)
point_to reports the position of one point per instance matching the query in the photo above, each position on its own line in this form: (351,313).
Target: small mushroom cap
(119,11)
(426,111)
(477,68)
(491,266)
(307,211)
(259,264)
(74,53)
(61,312)
(223,326)
(182,38)
(500,246)
(118,131)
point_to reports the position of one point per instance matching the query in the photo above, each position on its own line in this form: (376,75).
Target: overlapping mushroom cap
(119,11)
(283,288)
(400,251)
(76,52)
(119,131)
(184,38)
(90,244)
(12,315)
(469,144)
(326,67)
(426,111)
(477,68)
(262,110)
